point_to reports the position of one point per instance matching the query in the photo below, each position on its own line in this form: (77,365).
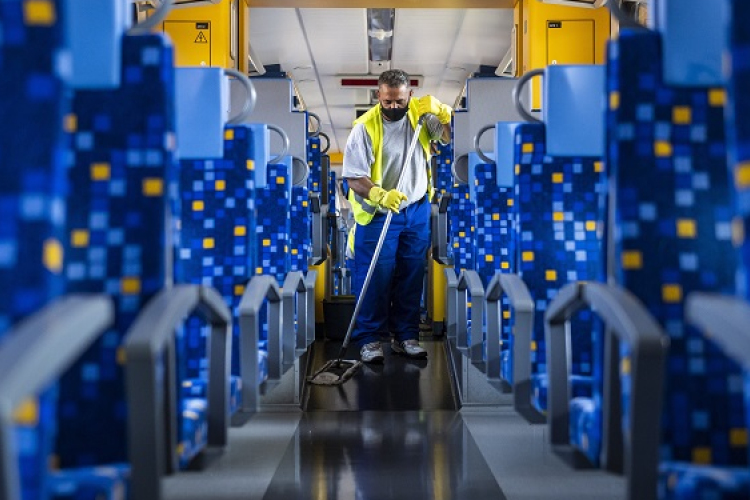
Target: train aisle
(392,432)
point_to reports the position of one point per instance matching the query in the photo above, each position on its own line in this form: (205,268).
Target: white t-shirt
(358,156)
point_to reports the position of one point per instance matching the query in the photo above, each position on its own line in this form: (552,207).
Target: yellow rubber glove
(429,104)
(387,199)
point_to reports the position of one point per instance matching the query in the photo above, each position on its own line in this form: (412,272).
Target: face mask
(395,114)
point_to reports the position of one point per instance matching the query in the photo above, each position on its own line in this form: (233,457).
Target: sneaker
(409,348)
(372,353)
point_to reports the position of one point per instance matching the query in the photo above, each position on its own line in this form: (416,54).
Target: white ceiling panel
(316,46)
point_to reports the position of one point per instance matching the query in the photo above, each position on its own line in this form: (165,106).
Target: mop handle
(381,240)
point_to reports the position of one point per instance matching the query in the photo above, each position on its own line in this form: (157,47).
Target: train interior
(174,267)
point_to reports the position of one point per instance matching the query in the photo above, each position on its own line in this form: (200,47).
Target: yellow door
(570,42)
(192,41)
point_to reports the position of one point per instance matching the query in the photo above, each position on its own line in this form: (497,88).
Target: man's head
(394,94)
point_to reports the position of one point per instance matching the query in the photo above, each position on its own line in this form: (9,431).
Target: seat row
(600,253)
(130,327)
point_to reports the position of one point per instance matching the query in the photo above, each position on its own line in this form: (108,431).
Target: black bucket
(337,313)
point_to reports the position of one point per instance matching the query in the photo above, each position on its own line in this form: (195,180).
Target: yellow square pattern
(130,285)
(533,346)
(527,256)
(100,172)
(558,216)
(742,175)
(527,147)
(489,258)
(53,255)
(702,455)
(686,228)
(550,275)
(632,259)
(590,225)
(671,293)
(598,166)
(266,243)
(506,314)
(39,13)
(614,100)
(662,149)
(79,238)
(208,243)
(70,123)
(495,216)
(198,205)
(220,185)
(682,115)
(518,169)
(240,231)
(153,186)
(504,265)
(295,251)
(239,290)
(250,165)
(717,97)
(229,134)
(258,270)
(27,413)
(510,202)
(280,180)
(557,178)
(625,365)
(738,437)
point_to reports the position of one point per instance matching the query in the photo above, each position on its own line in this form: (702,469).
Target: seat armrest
(724,320)
(151,380)
(451,298)
(626,320)
(36,352)
(470,290)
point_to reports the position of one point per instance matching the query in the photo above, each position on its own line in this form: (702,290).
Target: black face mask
(395,114)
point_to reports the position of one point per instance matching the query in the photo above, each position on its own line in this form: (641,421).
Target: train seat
(667,160)
(123,171)
(33,192)
(216,240)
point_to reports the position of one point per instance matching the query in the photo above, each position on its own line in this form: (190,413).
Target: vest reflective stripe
(363,209)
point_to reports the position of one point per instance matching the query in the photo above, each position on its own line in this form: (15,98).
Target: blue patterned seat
(461,228)
(300,236)
(314,163)
(494,243)
(558,210)
(217,246)
(273,224)
(32,196)
(667,162)
(116,243)
(444,162)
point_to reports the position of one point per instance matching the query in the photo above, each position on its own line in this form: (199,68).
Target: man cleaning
(375,154)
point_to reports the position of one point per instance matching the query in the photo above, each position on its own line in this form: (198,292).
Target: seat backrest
(300,224)
(217,235)
(667,165)
(122,174)
(443,179)
(33,104)
(273,224)
(559,207)
(461,228)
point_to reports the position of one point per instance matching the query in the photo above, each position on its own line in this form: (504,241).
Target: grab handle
(477,148)
(249,102)
(284,138)
(517,94)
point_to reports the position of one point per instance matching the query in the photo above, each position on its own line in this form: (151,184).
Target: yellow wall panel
(206,35)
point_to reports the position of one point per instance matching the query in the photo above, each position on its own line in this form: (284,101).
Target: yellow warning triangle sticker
(201,38)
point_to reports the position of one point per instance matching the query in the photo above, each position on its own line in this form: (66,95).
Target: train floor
(393,431)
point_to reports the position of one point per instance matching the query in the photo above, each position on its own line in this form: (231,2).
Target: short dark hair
(394,78)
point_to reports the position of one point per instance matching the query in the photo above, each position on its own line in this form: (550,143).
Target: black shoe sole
(398,350)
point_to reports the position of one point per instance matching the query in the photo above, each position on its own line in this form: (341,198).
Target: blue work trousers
(393,299)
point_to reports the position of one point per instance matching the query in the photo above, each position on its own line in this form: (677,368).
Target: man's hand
(387,199)
(429,104)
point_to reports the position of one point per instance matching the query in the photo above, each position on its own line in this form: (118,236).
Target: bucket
(337,313)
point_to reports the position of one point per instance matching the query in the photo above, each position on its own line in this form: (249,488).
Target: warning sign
(201,38)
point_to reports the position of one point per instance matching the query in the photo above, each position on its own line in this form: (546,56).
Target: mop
(339,370)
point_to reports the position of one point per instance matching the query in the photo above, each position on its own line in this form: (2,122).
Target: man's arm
(360,185)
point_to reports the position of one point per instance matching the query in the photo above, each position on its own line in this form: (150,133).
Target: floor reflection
(383,455)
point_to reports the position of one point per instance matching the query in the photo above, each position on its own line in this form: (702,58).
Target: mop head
(335,372)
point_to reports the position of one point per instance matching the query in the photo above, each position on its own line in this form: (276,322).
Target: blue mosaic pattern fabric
(300,229)
(559,210)
(89,483)
(667,159)
(444,161)
(116,235)
(332,191)
(314,164)
(494,240)
(193,429)
(461,228)
(273,225)
(32,200)
(216,241)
